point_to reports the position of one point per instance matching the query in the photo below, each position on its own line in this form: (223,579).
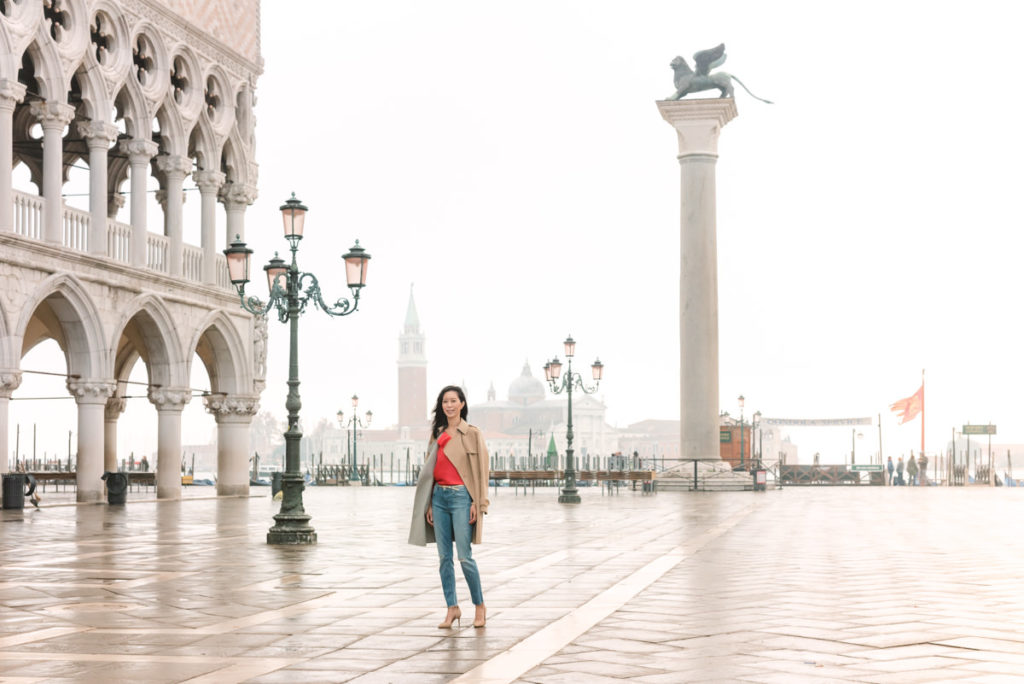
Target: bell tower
(412,371)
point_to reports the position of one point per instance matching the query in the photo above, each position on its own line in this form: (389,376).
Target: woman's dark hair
(441,420)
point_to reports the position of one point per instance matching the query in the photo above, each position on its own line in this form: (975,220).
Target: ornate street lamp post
(355,423)
(290,292)
(559,384)
(742,401)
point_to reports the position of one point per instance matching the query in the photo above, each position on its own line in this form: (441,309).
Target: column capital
(115,407)
(698,122)
(209,181)
(139,150)
(173,165)
(238,194)
(161,197)
(232,408)
(11,93)
(10,380)
(91,391)
(52,114)
(97,133)
(169,398)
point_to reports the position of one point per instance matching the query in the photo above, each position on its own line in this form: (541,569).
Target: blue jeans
(451,523)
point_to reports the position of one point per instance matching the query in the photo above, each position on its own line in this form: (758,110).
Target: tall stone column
(11,93)
(169,404)
(53,117)
(112,412)
(139,152)
(91,397)
(99,136)
(9,381)
(234,415)
(698,124)
(236,199)
(174,169)
(209,183)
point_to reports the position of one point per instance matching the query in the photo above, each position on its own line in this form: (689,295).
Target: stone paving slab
(803,584)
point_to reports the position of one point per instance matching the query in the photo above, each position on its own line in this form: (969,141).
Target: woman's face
(451,405)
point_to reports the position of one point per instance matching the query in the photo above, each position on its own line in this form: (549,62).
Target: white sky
(509,159)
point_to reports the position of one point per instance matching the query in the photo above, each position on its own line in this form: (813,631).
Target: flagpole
(922,411)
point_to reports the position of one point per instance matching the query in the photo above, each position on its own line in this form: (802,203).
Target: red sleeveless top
(444,472)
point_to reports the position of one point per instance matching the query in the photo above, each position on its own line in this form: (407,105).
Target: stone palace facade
(129,89)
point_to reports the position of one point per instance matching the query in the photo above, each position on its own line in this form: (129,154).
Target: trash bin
(275,483)
(14,490)
(117,487)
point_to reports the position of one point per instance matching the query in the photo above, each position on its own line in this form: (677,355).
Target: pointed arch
(79,327)
(96,102)
(224,353)
(203,145)
(147,329)
(49,72)
(172,129)
(131,106)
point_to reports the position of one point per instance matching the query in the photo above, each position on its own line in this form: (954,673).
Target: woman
(451,499)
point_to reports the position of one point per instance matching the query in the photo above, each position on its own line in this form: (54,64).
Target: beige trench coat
(468,454)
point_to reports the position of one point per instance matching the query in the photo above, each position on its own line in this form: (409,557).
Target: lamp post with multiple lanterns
(290,291)
(559,384)
(355,423)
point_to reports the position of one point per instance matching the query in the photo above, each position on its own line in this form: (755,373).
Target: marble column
(112,412)
(53,117)
(11,93)
(234,415)
(236,199)
(698,124)
(209,183)
(91,397)
(169,404)
(139,152)
(9,381)
(174,169)
(99,136)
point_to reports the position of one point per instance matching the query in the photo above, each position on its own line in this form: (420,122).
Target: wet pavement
(803,584)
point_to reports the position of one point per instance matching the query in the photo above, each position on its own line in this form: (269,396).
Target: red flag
(907,409)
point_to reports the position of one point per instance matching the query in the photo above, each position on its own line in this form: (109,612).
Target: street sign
(979,429)
(867,468)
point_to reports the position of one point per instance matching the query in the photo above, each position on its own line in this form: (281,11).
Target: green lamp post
(355,423)
(559,384)
(290,291)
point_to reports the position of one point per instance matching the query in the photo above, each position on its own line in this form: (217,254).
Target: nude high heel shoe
(481,616)
(454,615)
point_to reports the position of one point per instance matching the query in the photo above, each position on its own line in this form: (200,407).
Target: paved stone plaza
(814,584)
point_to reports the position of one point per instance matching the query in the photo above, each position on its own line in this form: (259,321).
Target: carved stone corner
(9,381)
(232,406)
(169,398)
(91,391)
(115,407)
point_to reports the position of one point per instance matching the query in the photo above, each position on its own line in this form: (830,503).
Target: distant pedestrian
(911,471)
(890,467)
(899,471)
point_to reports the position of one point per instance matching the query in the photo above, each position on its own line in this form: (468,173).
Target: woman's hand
(472,513)
(430,515)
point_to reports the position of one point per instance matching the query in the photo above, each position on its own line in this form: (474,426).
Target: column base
(292,530)
(569,497)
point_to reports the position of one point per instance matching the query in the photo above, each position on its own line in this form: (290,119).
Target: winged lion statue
(689,81)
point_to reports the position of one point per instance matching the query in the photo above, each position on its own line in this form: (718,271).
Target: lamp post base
(569,497)
(291,529)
